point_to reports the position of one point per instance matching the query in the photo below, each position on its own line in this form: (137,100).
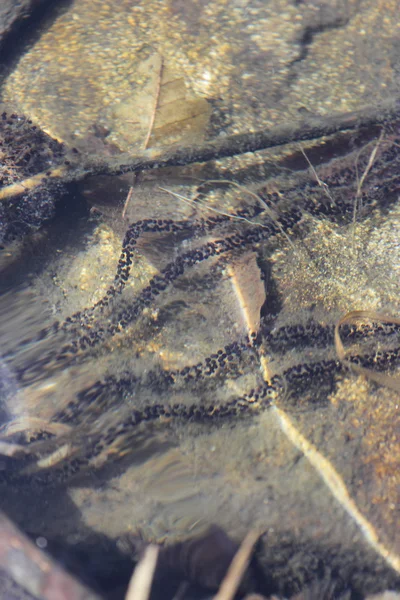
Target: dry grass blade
(197,204)
(243,188)
(360,182)
(140,584)
(239,564)
(369,166)
(321,183)
(271,213)
(356,316)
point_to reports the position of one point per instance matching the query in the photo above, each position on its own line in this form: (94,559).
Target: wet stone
(139,383)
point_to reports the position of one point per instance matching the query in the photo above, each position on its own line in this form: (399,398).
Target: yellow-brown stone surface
(263,62)
(224,67)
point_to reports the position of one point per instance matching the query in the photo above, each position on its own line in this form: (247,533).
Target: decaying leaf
(159,111)
(249,289)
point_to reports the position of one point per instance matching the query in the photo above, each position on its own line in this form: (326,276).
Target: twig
(238,566)
(30,183)
(128,198)
(35,572)
(140,584)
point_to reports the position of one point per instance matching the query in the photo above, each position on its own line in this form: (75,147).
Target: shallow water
(168,362)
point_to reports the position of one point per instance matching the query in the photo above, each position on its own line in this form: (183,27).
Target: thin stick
(31,569)
(237,568)
(30,183)
(128,199)
(140,584)
(156,100)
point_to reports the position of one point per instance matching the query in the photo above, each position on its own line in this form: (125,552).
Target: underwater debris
(84,332)
(24,173)
(28,159)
